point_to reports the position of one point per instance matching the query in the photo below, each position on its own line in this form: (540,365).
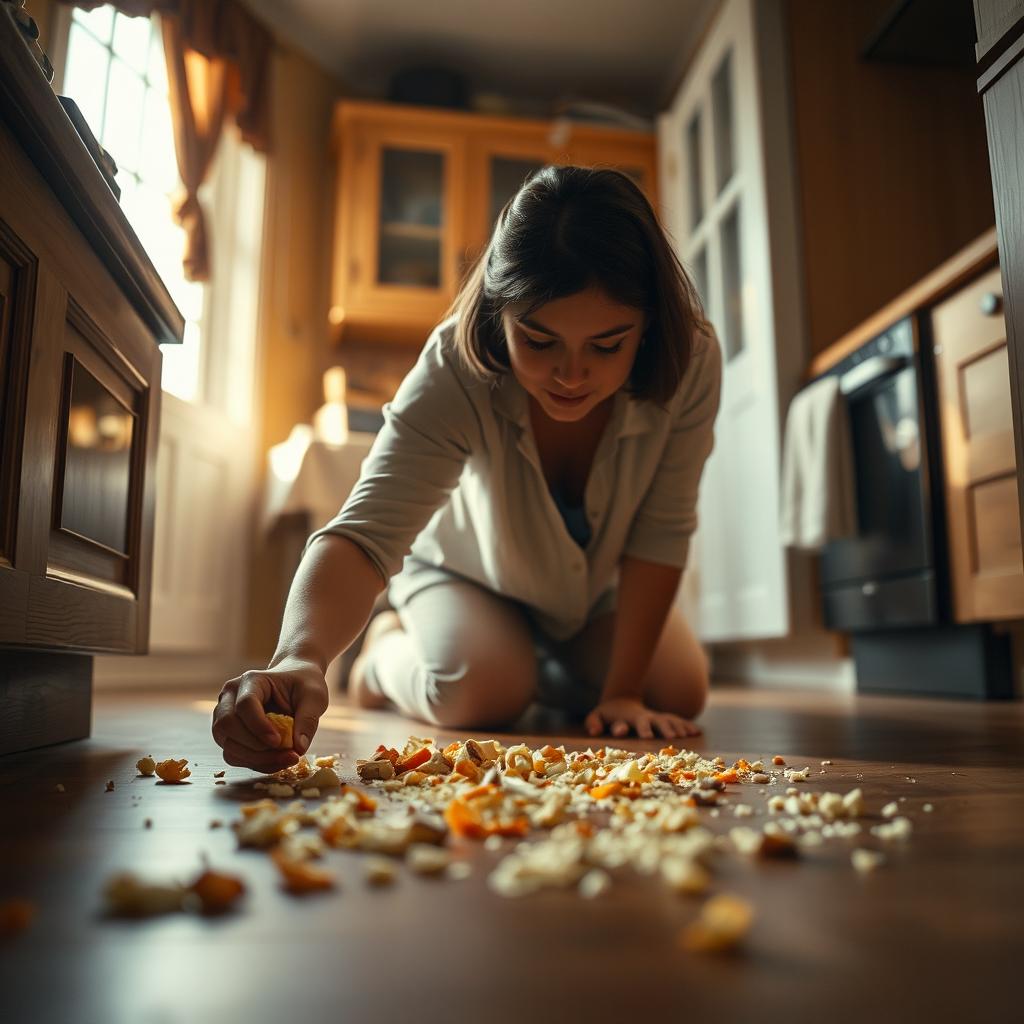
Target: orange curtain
(218,64)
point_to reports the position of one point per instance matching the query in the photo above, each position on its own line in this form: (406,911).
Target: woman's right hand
(240,726)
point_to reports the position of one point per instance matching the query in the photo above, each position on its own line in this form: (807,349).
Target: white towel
(818,499)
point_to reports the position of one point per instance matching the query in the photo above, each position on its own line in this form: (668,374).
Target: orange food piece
(388,754)
(299,876)
(584,828)
(778,759)
(217,892)
(742,765)
(479,791)
(463,820)
(669,751)
(449,751)
(173,771)
(608,789)
(284,725)
(729,775)
(16,916)
(468,770)
(414,760)
(687,774)
(366,804)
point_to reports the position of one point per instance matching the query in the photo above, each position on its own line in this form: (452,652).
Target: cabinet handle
(991,303)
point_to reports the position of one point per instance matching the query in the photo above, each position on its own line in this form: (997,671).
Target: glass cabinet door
(411,219)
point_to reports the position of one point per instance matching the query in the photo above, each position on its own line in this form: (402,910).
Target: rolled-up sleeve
(429,431)
(667,515)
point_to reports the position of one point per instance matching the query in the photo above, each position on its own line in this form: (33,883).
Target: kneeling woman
(530,499)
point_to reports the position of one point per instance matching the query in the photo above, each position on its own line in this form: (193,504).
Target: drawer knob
(991,303)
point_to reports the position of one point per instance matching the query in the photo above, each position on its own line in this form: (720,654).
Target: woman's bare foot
(358,688)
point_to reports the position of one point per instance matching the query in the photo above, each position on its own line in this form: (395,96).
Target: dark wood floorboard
(934,935)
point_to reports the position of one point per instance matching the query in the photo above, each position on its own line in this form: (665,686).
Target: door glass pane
(721,106)
(695,183)
(732,283)
(97,466)
(699,274)
(411,218)
(507,175)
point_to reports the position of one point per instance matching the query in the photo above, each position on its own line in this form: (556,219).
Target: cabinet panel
(979,462)
(17,296)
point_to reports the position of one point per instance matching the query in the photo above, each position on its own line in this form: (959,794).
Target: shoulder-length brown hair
(567,229)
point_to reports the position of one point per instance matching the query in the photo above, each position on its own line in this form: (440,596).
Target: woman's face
(573,353)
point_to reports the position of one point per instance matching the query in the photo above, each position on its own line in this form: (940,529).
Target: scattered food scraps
(172,770)
(724,921)
(299,877)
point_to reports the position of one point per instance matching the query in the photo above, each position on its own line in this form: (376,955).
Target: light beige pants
(469,658)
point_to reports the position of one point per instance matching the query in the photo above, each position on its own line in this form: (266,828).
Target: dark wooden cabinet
(1000,53)
(82,314)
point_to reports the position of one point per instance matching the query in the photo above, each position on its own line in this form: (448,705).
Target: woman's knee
(486,693)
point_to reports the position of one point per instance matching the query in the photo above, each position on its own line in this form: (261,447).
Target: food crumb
(778,759)
(219,775)
(59,787)
(723,922)
(146,765)
(220,782)
(866,860)
(594,883)
(109,786)
(928,808)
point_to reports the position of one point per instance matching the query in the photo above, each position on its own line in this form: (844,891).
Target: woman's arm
(645,595)
(329,602)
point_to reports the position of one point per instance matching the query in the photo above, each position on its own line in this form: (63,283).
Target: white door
(715,205)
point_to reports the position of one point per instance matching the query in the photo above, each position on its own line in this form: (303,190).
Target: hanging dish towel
(818,496)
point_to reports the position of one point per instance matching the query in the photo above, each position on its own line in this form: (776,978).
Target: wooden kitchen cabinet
(82,313)
(417,195)
(980,469)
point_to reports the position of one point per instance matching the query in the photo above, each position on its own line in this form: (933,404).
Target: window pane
(99,22)
(122,126)
(156,69)
(732,283)
(131,41)
(85,77)
(699,275)
(180,374)
(159,166)
(721,105)
(695,183)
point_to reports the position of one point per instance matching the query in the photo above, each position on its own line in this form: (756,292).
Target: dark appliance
(889,586)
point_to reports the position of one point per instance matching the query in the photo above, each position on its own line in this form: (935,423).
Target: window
(116,74)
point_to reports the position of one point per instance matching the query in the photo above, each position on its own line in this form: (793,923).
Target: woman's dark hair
(568,229)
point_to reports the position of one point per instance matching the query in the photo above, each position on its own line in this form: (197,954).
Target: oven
(888,586)
(889,574)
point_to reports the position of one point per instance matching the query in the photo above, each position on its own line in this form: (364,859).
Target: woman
(539,467)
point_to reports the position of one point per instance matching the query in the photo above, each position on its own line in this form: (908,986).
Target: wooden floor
(937,934)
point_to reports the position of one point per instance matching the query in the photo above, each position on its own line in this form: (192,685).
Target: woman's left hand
(620,714)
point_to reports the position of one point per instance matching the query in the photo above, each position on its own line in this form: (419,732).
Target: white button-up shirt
(454,485)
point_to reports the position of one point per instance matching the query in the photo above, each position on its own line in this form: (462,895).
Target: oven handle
(870,370)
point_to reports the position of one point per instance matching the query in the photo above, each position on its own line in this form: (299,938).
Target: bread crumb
(146,765)
(778,759)
(110,786)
